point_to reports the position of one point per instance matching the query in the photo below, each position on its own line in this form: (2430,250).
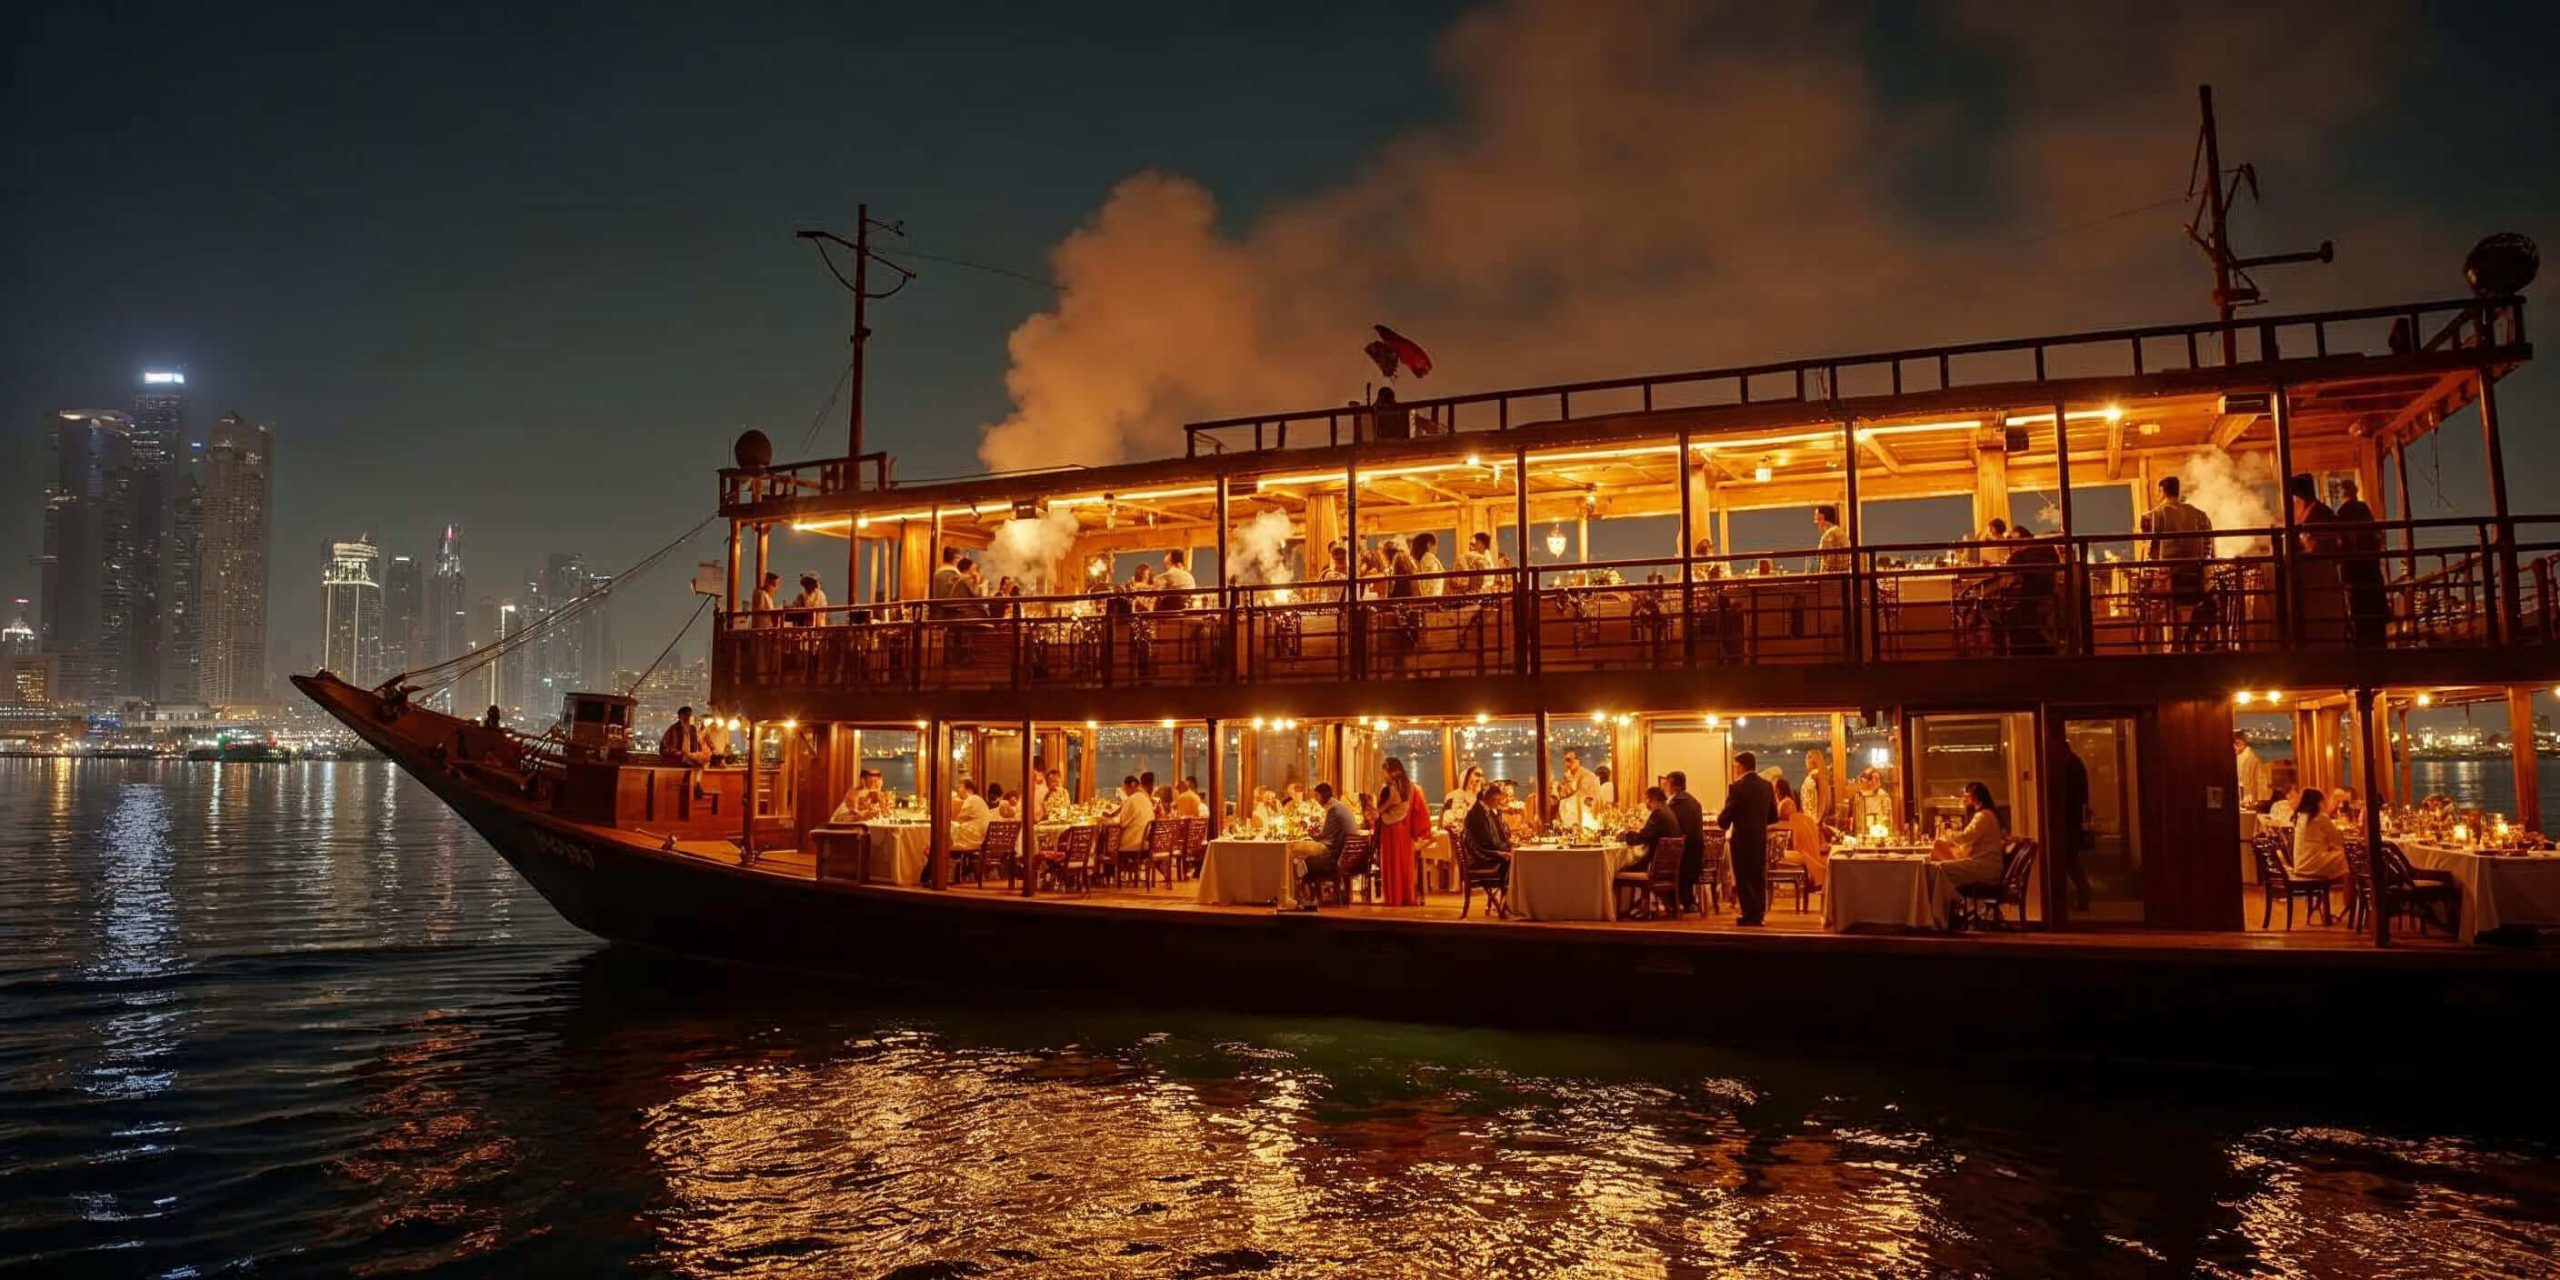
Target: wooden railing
(2430,326)
(2398,586)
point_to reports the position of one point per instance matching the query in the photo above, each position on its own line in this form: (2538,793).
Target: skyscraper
(231,634)
(182,587)
(402,598)
(159,438)
(85,616)
(444,630)
(351,612)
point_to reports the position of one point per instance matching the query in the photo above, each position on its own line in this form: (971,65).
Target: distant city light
(164,379)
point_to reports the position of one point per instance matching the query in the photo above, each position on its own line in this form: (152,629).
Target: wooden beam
(2115,450)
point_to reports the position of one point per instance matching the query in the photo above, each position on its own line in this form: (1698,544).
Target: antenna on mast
(2211,227)
(860,287)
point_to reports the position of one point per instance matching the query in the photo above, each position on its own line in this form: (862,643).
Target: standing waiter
(1750,805)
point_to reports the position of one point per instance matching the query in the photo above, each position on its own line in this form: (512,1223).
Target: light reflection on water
(355,1044)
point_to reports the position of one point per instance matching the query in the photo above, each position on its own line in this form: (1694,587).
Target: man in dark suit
(1750,805)
(1660,824)
(1692,818)
(1487,837)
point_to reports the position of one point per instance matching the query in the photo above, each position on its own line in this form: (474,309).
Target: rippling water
(296,1020)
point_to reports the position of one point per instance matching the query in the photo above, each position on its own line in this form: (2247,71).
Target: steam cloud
(1028,549)
(2236,494)
(1258,553)
(1626,185)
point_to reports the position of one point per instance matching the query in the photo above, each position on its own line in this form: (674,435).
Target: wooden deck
(1784,922)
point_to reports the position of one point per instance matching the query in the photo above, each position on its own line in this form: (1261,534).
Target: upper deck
(1660,465)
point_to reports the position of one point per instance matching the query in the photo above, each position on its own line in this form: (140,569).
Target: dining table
(2499,889)
(1884,888)
(900,851)
(1240,871)
(1566,881)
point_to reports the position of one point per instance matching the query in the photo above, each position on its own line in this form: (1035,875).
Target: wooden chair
(1657,883)
(2359,885)
(1195,846)
(1071,863)
(1164,850)
(1359,858)
(1712,871)
(1980,904)
(1785,874)
(1490,872)
(2419,893)
(2276,880)
(1002,847)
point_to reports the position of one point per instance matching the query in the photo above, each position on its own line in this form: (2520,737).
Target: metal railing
(2399,586)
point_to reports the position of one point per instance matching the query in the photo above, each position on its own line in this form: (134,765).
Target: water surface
(296,1020)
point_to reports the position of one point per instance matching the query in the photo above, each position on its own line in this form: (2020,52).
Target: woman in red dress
(1398,804)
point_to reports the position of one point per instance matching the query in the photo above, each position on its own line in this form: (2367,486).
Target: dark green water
(295,1020)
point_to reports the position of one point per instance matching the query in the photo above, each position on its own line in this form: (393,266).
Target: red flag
(1402,349)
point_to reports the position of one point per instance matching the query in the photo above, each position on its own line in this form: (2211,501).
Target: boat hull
(2217,1002)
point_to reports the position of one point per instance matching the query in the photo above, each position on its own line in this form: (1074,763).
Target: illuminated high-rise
(444,621)
(403,597)
(351,612)
(158,568)
(85,572)
(239,499)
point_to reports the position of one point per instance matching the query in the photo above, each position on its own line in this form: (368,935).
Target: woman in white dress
(2319,851)
(1973,854)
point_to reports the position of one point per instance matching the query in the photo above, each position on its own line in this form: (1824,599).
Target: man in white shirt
(1427,566)
(762,605)
(2253,773)
(1137,813)
(1577,792)
(809,608)
(1834,540)
(1814,796)
(1177,581)
(969,818)
(1039,789)
(1477,560)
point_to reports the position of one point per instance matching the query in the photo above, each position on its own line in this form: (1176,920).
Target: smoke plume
(1028,549)
(2235,493)
(1258,553)
(1628,185)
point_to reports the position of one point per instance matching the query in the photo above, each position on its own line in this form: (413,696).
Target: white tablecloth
(1884,891)
(2497,889)
(1246,873)
(1571,883)
(899,852)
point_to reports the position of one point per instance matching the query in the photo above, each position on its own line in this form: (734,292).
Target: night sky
(532,273)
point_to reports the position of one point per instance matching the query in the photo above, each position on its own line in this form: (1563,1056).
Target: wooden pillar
(1540,807)
(730,603)
(2521,750)
(2277,401)
(2510,598)
(1216,799)
(1028,839)
(2407,765)
(1524,597)
(1855,599)
(747,805)
(937,804)
(2408,534)
(915,560)
(764,551)
(1990,483)
(2373,750)
(2074,624)
(1698,518)
(1835,787)
(1225,534)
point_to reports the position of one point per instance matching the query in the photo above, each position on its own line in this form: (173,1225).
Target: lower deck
(1787,923)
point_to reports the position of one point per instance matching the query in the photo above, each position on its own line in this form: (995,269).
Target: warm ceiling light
(2274,696)
(2426,699)
(1599,717)
(1760,474)
(1482,718)
(1168,723)
(1475,460)
(789,725)
(2244,697)
(1257,722)
(1713,720)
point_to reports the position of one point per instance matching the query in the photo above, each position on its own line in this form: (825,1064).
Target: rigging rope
(454,668)
(672,642)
